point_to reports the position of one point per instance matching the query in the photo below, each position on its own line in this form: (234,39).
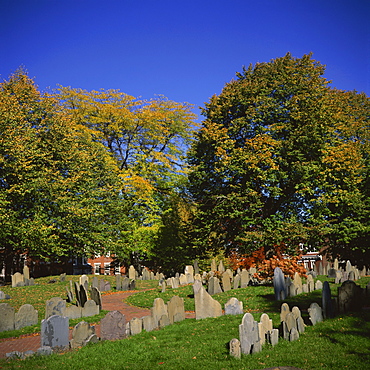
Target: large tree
(282,158)
(60,189)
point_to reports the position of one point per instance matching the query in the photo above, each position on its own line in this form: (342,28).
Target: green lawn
(339,343)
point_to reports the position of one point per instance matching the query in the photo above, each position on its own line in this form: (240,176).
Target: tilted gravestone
(113,326)
(77,292)
(96,296)
(7,314)
(315,313)
(55,332)
(236,281)
(279,284)
(205,305)
(214,286)
(55,306)
(26,316)
(233,307)
(81,333)
(249,335)
(82,296)
(176,309)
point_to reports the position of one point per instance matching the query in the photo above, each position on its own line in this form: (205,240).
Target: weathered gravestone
(205,305)
(113,326)
(315,313)
(163,285)
(183,280)
(327,307)
(84,280)
(318,285)
(7,313)
(17,280)
(221,267)
(310,283)
(132,285)
(332,273)
(90,308)
(233,307)
(298,317)
(148,323)
(236,281)
(96,297)
(136,326)
(26,272)
(214,286)
(226,282)
(244,278)
(196,267)
(95,282)
(158,310)
(73,312)
(234,347)
(55,332)
(264,328)
(176,309)
(82,333)
(125,284)
(55,306)
(69,295)
(118,282)
(26,316)
(249,335)
(279,284)
(62,277)
(82,296)
(350,297)
(175,282)
(288,325)
(132,273)
(213,265)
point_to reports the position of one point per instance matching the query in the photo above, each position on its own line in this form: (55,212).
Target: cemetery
(261,317)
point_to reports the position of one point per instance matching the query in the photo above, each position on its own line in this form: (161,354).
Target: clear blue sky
(185,50)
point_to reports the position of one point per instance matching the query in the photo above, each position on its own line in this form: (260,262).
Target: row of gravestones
(55,329)
(253,335)
(352,272)
(27,315)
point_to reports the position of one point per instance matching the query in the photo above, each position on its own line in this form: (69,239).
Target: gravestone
(62,277)
(132,285)
(175,282)
(125,284)
(77,292)
(26,316)
(26,272)
(95,282)
(338,277)
(214,286)
(226,282)
(73,312)
(264,328)
(158,310)
(315,313)
(294,335)
(148,323)
(132,273)
(332,273)
(284,310)
(7,314)
(297,281)
(176,309)
(55,332)
(310,283)
(336,264)
(84,280)
(189,269)
(82,295)
(55,306)
(288,324)
(305,288)
(233,307)
(348,267)
(113,326)
(196,267)
(327,308)
(136,326)
(118,282)
(205,305)
(298,317)
(163,287)
(189,278)
(234,347)
(351,276)
(318,285)
(221,267)
(69,295)
(236,281)
(273,337)
(17,280)
(183,280)
(249,335)
(213,265)
(350,297)
(279,284)
(244,278)
(164,321)
(90,308)
(146,274)
(81,334)
(96,297)
(107,286)
(292,290)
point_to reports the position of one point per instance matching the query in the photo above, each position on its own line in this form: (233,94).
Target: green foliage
(282,158)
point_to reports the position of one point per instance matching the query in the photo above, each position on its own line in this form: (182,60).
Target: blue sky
(185,50)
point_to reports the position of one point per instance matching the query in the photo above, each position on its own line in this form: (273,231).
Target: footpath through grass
(339,343)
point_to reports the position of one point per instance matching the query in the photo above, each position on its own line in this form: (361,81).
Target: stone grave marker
(183,280)
(315,313)
(7,314)
(175,282)
(82,295)
(107,286)
(310,283)
(234,346)
(132,285)
(226,282)
(73,312)
(298,317)
(196,267)
(244,278)
(136,326)
(164,321)
(279,284)
(273,337)
(62,277)
(350,297)
(90,308)
(249,335)
(148,323)
(284,310)
(213,265)
(221,267)
(118,282)
(236,281)
(233,307)
(55,306)
(318,285)
(288,324)
(336,264)
(163,287)
(26,316)
(214,286)
(26,272)
(189,278)
(158,310)
(327,308)
(132,273)
(125,284)
(81,333)
(69,295)
(55,332)
(77,292)
(95,282)
(17,280)
(176,309)
(96,297)
(332,273)
(294,334)
(205,305)
(264,328)
(84,279)
(113,326)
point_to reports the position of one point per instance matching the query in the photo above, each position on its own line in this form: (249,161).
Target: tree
(147,140)
(60,189)
(281,158)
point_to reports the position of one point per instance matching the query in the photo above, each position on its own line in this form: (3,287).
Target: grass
(339,343)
